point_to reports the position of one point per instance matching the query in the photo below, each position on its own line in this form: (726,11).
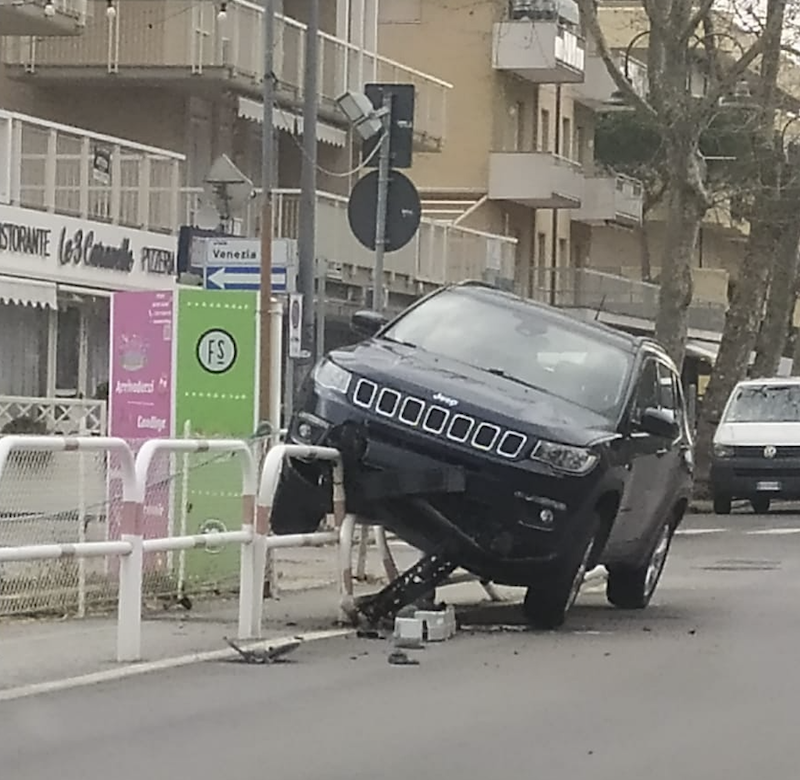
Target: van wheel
(547,604)
(760,504)
(629,588)
(722,504)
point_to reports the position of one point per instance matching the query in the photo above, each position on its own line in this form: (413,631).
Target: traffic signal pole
(384,161)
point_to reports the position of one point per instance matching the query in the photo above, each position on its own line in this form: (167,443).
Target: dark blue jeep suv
(506,437)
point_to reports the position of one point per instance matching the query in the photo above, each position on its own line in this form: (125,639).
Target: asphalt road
(703,684)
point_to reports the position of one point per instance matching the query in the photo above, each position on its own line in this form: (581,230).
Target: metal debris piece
(399,658)
(269,655)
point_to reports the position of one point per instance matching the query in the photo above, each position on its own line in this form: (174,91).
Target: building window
(563,257)
(68,351)
(23,345)
(566,138)
(544,131)
(519,137)
(580,139)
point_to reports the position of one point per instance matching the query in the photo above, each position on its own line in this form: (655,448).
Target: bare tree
(767,219)
(676,28)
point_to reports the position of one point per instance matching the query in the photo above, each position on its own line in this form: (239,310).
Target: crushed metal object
(269,655)
(416,582)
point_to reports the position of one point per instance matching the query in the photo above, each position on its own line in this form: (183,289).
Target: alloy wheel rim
(657,561)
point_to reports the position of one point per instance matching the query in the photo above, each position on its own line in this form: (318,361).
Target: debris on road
(269,655)
(399,658)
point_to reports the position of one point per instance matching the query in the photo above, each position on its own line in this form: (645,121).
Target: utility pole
(267,402)
(383,202)
(306,245)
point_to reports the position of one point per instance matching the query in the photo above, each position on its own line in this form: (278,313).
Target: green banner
(215,397)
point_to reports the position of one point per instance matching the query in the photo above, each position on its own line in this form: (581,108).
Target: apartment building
(528,88)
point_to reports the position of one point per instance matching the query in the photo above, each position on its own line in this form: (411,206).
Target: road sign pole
(383,202)
(267,401)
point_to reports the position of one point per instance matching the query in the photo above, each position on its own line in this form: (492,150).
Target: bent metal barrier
(254,538)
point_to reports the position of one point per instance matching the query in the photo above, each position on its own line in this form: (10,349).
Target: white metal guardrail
(258,493)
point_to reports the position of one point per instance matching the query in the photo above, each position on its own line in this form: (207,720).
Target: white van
(757,445)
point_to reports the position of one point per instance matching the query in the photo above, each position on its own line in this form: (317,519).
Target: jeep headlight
(332,377)
(573,460)
(723,451)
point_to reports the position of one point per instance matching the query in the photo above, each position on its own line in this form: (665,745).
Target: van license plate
(768,486)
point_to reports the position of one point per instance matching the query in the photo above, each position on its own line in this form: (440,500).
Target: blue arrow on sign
(242,277)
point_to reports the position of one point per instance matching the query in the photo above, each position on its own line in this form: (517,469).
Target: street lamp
(366,120)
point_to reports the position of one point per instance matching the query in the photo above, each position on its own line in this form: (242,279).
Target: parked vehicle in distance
(756,450)
(521,443)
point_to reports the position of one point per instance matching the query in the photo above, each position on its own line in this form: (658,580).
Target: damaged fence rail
(254,539)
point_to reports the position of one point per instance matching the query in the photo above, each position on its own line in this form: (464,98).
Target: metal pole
(383,198)
(266,404)
(322,275)
(306,247)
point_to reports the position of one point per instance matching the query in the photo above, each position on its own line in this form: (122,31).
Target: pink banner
(140,398)
(140,391)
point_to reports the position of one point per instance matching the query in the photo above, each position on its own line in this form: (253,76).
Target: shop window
(23,346)
(68,351)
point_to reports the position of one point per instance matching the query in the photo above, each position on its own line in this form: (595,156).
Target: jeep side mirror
(658,422)
(367,323)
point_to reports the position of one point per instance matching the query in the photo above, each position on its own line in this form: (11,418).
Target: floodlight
(356,106)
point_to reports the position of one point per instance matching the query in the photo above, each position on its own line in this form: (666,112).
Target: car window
(764,403)
(670,394)
(523,343)
(647,393)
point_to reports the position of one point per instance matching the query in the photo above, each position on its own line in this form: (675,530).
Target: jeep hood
(492,398)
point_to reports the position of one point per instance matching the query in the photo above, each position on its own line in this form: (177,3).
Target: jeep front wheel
(546,605)
(632,588)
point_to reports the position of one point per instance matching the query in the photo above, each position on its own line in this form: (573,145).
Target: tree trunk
(780,302)
(738,340)
(686,207)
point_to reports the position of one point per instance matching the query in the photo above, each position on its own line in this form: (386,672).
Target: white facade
(57,274)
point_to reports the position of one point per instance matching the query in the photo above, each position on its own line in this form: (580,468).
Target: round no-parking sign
(216,351)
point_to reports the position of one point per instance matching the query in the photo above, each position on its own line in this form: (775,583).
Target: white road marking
(699,531)
(148,667)
(774,532)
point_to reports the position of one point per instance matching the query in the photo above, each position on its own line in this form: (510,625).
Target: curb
(148,667)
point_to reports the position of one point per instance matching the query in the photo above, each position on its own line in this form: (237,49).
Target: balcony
(598,90)
(183,45)
(618,299)
(611,199)
(66,170)
(438,254)
(43,18)
(544,52)
(540,180)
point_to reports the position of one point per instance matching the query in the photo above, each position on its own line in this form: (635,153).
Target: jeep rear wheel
(546,605)
(632,588)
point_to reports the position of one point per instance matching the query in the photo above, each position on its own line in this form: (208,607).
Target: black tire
(633,588)
(546,605)
(760,504)
(722,504)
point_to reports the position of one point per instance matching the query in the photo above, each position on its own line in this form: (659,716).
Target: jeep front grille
(438,420)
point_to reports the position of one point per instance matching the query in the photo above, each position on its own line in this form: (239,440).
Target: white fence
(257,494)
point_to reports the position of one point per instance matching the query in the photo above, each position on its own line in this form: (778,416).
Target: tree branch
(588,11)
(701,15)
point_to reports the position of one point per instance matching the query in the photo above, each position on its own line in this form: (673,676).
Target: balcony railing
(36,17)
(600,92)
(179,39)
(585,288)
(544,52)
(611,199)
(438,254)
(537,179)
(78,173)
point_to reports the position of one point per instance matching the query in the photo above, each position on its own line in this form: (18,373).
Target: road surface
(703,684)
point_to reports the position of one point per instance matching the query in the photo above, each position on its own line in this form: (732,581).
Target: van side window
(670,396)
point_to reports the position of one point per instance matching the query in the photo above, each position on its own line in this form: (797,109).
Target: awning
(27,292)
(291,123)
(707,351)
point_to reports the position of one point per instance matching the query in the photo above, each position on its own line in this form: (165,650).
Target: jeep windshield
(765,403)
(520,343)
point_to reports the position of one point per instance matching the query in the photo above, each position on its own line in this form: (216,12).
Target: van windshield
(765,403)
